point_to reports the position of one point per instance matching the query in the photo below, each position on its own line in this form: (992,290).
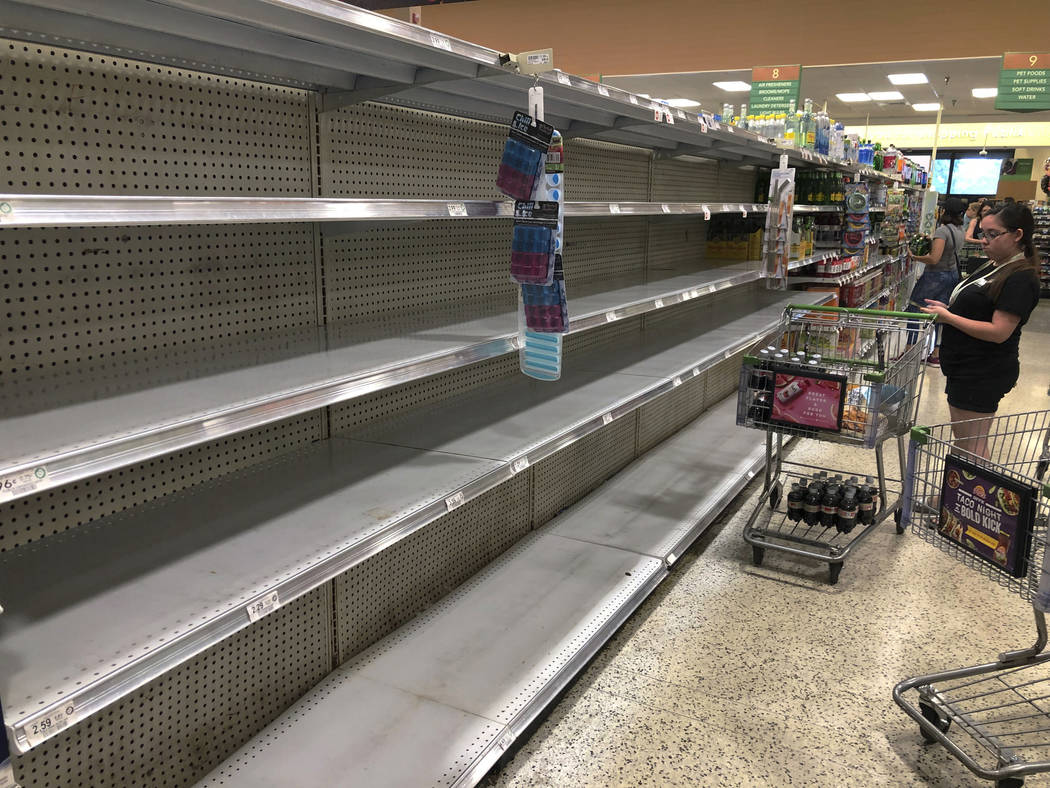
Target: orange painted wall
(592,37)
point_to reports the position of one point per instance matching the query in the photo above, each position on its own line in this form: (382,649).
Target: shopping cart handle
(920,435)
(872,312)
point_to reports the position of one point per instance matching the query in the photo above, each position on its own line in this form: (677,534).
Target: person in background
(973,211)
(940,271)
(982,322)
(973,234)
(1044,182)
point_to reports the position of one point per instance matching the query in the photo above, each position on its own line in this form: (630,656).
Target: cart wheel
(1009,782)
(757,554)
(775,492)
(834,570)
(934,716)
(897,520)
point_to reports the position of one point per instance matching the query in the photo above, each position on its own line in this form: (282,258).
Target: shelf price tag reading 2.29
(44,727)
(264,606)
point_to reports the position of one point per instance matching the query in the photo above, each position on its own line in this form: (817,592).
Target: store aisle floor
(735,675)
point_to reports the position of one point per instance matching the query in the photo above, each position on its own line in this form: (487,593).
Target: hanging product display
(532,249)
(523,156)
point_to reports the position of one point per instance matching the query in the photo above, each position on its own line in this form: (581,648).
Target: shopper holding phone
(982,322)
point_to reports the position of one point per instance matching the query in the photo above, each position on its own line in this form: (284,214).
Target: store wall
(593,37)
(1038,156)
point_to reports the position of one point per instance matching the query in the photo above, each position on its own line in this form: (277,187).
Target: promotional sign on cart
(810,400)
(987,513)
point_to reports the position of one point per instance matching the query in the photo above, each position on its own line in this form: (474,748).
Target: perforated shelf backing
(91,124)
(723,379)
(686,180)
(378,595)
(662,418)
(564,478)
(676,241)
(597,250)
(379,150)
(34,517)
(736,183)
(175,729)
(604,171)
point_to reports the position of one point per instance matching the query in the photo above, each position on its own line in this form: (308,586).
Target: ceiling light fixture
(683,103)
(887,95)
(984,92)
(850,97)
(732,87)
(908,79)
(932,107)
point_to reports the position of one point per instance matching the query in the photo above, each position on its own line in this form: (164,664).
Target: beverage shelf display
(1042,245)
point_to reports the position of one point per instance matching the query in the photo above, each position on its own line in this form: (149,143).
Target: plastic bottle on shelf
(741,121)
(809,139)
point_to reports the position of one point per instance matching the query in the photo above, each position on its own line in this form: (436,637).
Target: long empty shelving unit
(265,441)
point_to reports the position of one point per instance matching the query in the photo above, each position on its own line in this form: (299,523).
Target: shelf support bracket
(370,88)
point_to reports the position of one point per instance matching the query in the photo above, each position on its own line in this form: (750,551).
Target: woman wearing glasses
(982,325)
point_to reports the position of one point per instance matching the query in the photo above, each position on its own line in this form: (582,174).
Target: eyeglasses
(991,235)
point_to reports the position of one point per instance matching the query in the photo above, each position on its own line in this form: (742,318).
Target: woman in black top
(982,325)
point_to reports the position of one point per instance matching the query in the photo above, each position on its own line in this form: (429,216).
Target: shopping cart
(849,376)
(990,514)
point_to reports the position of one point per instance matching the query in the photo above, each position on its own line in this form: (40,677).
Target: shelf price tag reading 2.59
(263,606)
(1024,82)
(46,726)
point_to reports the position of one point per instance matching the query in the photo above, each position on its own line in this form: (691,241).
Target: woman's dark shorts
(980,395)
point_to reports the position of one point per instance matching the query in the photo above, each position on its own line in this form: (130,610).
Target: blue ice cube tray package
(523,156)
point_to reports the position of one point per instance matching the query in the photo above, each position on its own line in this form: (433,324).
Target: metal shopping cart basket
(850,376)
(991,514)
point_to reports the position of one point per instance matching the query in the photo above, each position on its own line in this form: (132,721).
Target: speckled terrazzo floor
(735,675)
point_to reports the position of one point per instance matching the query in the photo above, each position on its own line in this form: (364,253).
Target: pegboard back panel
(598,250)
(389,404)
(603,171)
(723,379)
(665,416)
(676,242)
(64,508)
(604,339)
(685,180)
(381,150)
(175,729)
(76,296)
(670,317)
(443,271)
(90,124)
(378,595)
(736,184)
(564,478)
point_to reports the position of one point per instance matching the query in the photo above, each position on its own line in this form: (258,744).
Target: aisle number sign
(1024,82)
(774,88)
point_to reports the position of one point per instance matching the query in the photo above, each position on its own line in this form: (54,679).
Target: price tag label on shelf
(441,42)
(703,124)
(610,317)
(5,211)
(263,606)
(21,483)
(658,303)
(669,116)
(505,741)
(743,210)
(614,208)
(604,91)
(665,208)
(671,558)
(457,209)
(564,79)
(696,371)
(43,728)
(681,115)
(520,464)
(607,418)
(677,381)
(730,129)
(707,213)
(633,98)
(455,501)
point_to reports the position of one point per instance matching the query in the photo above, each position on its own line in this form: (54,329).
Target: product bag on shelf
(523,156)
(546,307)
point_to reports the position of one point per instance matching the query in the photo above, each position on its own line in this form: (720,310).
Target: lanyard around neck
(975,279)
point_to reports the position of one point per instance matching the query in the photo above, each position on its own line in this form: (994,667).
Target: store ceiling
(822,83)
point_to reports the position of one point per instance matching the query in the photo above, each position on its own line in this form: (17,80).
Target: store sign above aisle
(774,88)
(959,135)
(1024,82)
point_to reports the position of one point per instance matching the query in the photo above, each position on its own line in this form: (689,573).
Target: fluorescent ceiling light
(852,97)
(733,87)
(933,107)
(908,79)
(985,92)
(683,103)
(887,95)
